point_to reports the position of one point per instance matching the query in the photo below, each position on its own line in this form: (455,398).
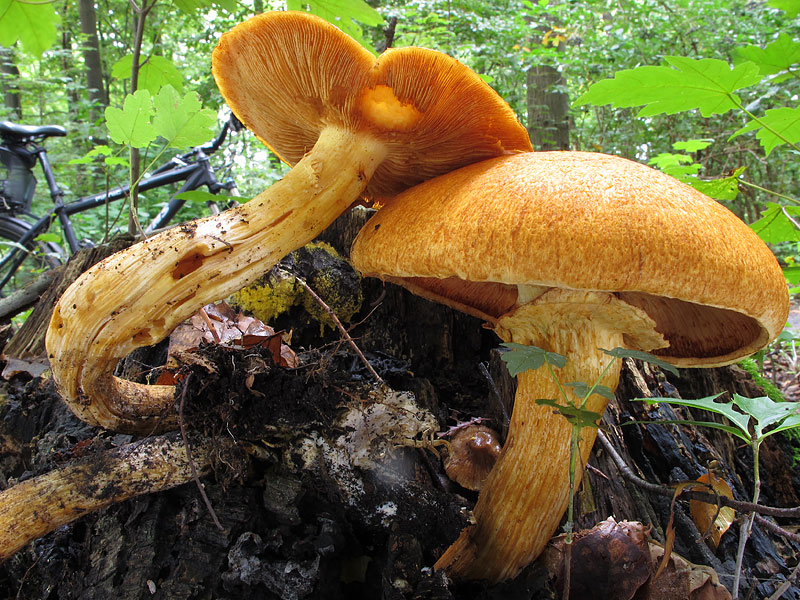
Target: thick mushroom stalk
(350,124)
(37,506)
(572,251)
(140,295)
(527,492)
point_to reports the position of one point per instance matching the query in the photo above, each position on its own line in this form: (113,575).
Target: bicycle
(21,148)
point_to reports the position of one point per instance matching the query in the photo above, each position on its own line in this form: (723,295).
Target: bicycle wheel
(21,264)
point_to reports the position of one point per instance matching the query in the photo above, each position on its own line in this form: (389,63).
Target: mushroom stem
(527,492)
(37,506)
(136,297)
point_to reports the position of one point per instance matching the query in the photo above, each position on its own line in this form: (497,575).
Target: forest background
(725,118)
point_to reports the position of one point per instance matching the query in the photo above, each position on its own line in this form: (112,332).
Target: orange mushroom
(350,124)
(571,252)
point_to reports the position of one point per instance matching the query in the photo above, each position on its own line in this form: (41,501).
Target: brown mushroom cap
(584,221)
(287,75)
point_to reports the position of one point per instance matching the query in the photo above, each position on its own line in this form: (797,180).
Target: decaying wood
(296,525)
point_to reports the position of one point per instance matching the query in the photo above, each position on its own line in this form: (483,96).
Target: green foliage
(345,14)
(707,85)
(154,73)
(776,225)
(131,124)
(33,24)
(523,358)
(181,121)
(750,422)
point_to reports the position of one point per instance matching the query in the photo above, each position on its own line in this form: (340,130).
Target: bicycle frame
(195,174)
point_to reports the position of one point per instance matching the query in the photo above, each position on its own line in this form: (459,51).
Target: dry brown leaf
(711,519)
(682,580)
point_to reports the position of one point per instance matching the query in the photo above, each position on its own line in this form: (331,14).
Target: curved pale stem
(136,297)
(527,492)
(37,506)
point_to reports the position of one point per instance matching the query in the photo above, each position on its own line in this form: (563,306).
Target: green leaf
(131,124)
(34,25)
(725,409)
(765,411)
(154,73)
(707,85)
(792,275)
(639,355)
(203,196)
(529,358)
(693,145)
(712,424)
(182,121)
(582,390)
(775,57)
(578,417)
(776,127)
(48,237)
(342,13)
(774,226)
(723,188)
(790,7)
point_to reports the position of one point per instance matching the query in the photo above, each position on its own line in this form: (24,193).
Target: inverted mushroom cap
(286,75)
(584,221)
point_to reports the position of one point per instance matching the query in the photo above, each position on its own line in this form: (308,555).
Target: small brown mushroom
(571,252)
(471,455)
(350,123)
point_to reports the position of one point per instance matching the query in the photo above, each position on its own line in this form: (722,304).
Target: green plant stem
(777,134)
(768,191)
(573,460)
(747,524)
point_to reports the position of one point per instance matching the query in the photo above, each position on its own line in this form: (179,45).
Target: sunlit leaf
(154,73)
(775,57)
(182,120)
(131,123)
(706,85)
(693,145)
(48,237)
(775,127)
(712,519)
(722,188)
(791,7)
(775,224)
(345,14)
(32,24)
(639,355)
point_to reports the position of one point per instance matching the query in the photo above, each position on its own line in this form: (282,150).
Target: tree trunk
(548,109)
(334,505)
(10,79)
(95,81)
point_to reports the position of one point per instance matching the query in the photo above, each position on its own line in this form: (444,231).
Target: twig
(30,294)
(663,490)
(339,325)
(786,584)
(195,476)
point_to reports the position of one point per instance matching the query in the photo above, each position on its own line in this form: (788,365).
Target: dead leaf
(713,520)
(682,580)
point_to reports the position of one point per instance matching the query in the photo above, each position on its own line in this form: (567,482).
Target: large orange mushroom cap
(585,221)
(571,252)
